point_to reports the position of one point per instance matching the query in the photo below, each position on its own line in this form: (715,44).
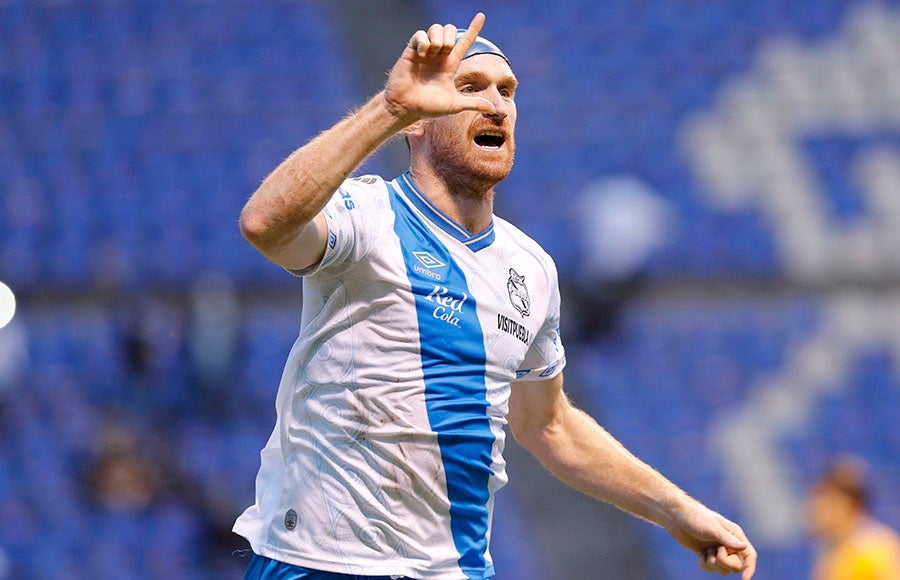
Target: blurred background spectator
(719,183)
(620,225)
(854,545)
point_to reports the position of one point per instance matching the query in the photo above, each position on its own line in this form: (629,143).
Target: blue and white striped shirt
(387,449)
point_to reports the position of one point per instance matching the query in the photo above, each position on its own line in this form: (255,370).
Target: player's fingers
(711,561)
(419,43)
(728,561)
(436,39)
(749,563)
(734,543)
(469,37)
(449,39)
(732,536)
(747,553)
(706,560)
(469,103)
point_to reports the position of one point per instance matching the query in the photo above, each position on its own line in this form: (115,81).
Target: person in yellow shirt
(853,544)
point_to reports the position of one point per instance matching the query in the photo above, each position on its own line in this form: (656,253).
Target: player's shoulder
(370,184)
(366,191)
(368,181)
(513,236)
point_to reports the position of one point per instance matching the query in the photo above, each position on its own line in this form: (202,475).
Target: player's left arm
(585,456)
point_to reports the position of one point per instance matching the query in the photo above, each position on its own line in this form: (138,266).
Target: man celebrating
(427,324)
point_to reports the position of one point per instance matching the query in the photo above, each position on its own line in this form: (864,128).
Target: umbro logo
(428,260)
(430,264)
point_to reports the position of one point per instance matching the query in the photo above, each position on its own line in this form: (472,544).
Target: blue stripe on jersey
(453,364)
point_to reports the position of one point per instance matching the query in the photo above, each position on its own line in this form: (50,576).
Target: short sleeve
(546,357)
(355,216)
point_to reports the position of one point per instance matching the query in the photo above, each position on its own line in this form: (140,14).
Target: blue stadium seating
(148,110)
(131,133)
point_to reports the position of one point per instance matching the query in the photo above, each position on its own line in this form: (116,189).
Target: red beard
(465,166)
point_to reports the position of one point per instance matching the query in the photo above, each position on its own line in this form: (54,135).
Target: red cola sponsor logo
(449,306)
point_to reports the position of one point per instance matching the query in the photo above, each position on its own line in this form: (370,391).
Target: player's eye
(467,89)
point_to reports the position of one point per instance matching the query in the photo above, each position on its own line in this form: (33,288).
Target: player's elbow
(295,247)
(536,437)
(255,228)
(524,437)
(269,239)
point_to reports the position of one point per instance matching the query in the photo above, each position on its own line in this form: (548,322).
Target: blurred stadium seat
(131,132)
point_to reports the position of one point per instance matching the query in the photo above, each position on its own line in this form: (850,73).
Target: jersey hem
(289,557)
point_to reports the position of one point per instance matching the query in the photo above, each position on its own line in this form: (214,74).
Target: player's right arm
(283,219)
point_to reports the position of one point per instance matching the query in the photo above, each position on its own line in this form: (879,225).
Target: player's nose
(500,105)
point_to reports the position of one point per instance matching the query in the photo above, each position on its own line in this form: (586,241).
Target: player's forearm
(297,190)
(585,456)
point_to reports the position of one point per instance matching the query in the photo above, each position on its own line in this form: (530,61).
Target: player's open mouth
(490,139)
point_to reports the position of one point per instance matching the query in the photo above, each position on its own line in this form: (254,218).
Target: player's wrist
(674,508)
(401,115)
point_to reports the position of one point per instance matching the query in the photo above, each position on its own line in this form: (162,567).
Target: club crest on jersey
(518,292)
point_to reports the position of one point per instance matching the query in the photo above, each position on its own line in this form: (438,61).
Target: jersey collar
(474,242)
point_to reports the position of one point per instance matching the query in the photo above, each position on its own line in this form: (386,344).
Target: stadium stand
(131,132)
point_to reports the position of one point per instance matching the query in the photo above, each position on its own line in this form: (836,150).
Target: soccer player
(854,545)
(427,324)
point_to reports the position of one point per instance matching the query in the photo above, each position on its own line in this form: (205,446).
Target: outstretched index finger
(468,39)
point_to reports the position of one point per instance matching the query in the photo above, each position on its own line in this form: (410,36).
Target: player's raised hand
(720,544)
(421,84)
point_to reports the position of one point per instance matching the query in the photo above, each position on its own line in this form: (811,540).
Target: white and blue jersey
(387,449)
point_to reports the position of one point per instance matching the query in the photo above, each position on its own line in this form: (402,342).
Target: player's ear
(416,129)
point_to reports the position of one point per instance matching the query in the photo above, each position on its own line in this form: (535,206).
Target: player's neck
(468,203)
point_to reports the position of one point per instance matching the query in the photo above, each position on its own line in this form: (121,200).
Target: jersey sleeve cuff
(542,373)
